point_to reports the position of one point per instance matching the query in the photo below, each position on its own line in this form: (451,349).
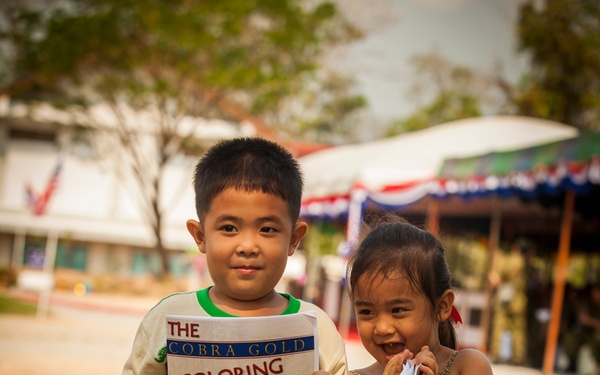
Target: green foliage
(323,113)
(453,92)
(562,39)
(184,56)
(324,237)
(447,106)
(12,306)
(467,257)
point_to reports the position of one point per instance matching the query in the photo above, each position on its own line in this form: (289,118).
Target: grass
(13,306)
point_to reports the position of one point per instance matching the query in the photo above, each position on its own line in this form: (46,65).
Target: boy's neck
(271,304)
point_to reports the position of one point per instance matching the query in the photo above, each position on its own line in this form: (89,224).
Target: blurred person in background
(509,327)
(585,328)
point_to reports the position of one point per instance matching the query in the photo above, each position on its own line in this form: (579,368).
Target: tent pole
(433,217)
(559,282)
(312,264)
(493,244)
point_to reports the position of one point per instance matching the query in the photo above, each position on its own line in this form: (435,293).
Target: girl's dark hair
(248,164)
(395,245)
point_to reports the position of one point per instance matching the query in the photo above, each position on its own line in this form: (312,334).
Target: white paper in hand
(409,368)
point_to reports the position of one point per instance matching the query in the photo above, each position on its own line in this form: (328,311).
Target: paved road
(93,334)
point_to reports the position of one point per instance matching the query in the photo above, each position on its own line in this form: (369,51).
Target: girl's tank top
(445,372)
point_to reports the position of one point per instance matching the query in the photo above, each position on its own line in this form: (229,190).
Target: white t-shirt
(149,353)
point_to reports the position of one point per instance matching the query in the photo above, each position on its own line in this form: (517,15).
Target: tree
(451,92)
(562,39)
(156,64)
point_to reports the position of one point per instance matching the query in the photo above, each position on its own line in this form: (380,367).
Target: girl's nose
(383,327)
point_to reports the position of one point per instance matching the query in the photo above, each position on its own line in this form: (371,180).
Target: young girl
(399,283)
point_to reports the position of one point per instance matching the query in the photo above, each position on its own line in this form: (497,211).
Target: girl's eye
(365,312)
(397,310)
(228,228)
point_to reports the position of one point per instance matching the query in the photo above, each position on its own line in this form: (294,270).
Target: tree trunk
(157,229)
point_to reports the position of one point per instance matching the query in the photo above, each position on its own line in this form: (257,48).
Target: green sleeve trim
(212,310)
(293,306)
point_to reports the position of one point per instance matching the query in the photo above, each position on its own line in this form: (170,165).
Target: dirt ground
(70,340)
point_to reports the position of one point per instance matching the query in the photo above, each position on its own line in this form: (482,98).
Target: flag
(39,202)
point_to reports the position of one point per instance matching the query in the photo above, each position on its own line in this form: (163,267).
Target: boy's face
(247,238)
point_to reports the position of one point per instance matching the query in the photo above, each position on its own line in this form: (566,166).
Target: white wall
(92,202)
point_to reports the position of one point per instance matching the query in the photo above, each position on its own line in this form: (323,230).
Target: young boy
(248,193)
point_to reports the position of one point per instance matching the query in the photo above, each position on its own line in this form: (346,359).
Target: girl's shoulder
(471,362)
(373,369)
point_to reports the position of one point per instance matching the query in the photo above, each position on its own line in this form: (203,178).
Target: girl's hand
(427,360)
(395,365)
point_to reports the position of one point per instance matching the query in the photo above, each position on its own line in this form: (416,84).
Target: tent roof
(575,150)
(548,168)
(418,156)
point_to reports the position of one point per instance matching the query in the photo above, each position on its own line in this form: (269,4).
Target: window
(475,317)
(143,262)
(33,135)
(71,256)
(33,256)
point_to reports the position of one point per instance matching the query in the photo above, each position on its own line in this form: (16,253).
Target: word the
(184,329)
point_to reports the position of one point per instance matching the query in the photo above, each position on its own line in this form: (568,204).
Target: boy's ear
(195,229)
(445,304)
(297,233)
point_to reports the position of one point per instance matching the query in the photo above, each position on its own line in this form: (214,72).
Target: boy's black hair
(248,164)
(395,245)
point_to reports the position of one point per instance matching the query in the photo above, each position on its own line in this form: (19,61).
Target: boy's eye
(397,310)
(228,228)
(365,312)
(267,230)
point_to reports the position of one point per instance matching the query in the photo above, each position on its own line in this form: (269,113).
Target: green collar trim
(212,310)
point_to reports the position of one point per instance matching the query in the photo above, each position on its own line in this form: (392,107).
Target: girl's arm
(472,362)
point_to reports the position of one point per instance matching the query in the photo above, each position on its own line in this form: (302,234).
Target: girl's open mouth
(391,349)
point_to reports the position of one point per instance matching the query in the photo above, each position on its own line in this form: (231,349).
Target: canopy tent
(569,166)
(549,168)
(479,156)
(395,172)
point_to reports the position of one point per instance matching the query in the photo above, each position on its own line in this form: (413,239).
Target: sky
(474,33)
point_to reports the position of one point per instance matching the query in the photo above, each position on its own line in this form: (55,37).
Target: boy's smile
(247,238)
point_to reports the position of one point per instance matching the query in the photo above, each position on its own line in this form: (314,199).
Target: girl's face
(391,317)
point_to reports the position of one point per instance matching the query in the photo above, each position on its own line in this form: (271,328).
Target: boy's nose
(247,247)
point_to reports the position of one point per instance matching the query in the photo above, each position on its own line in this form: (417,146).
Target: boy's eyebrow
(269,218)
(274,218)
(225,217)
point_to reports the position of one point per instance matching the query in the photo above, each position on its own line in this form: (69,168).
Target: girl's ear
(445,304)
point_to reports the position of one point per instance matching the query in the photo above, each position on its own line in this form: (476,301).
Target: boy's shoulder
(322,316)
(181,303)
